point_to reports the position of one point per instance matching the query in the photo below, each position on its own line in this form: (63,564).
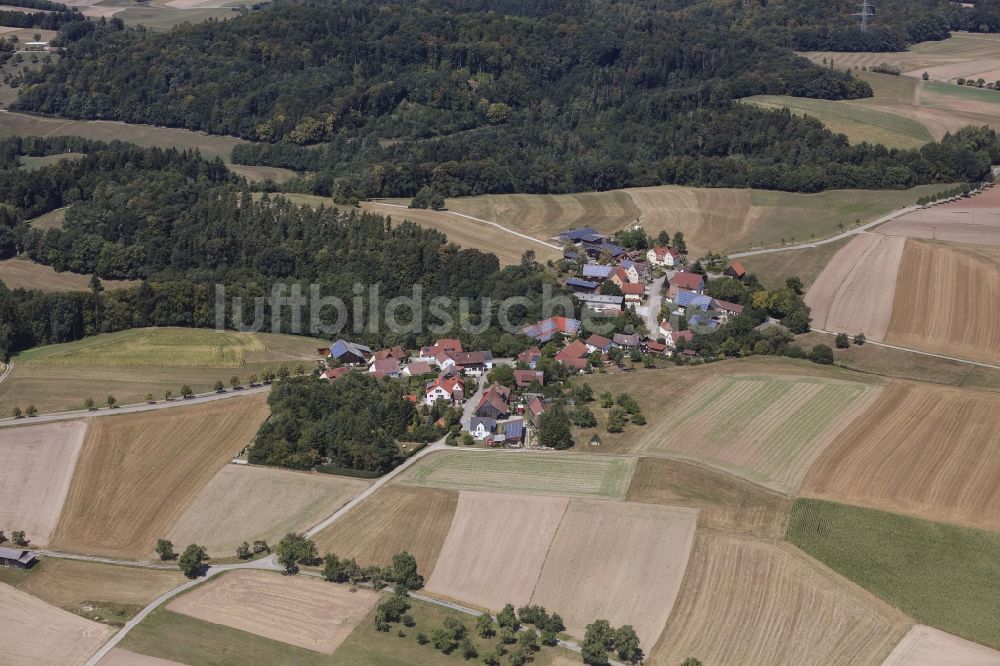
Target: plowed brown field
(394,519)
(855,292)
(724,502)
(298,610)
(948,301)
(923,450)
(137,473)
(36,466)
(749,602)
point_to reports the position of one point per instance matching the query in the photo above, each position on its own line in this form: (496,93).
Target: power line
(867,10)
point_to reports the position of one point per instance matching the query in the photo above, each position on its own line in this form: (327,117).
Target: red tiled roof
(523,378)
(737,268)
(396,352)
(598,341)
(335,373)
(634,289)
(574,354)
(735,308)
(385,366)
(685,280)
(657,347)
(419,368)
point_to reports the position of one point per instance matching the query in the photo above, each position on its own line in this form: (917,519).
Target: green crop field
(768,429)
(545,474)
(186,640)
(942,575)
(858,123)
(130,364)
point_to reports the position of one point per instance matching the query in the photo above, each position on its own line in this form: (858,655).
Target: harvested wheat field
(946,301)
(751,602)
(765,428)
(243,503)
(855,292)
(926,646)
(119,657)
(974,220)
(724,502)
(36,466)
(298,610)
(394,519)
(137,473)
(928,451)
(620,561)
(33,632)
(25,274)
(495,549)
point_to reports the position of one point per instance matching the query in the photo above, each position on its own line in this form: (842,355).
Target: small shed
(17,558)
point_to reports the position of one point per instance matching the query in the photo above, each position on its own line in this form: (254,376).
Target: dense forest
(182,224)
(351,423)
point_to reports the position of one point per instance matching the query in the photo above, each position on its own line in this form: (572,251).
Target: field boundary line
(923,353)
(481,221)
(548,550)
(6,370)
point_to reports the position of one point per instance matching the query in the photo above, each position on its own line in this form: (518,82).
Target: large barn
(17,558)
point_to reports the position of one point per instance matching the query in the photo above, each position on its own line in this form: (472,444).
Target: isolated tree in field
(186,392)
(219,386)
(842,341)
(149,398)
(859,339)
(31,410)
(295,549)
(484,626)
(18,414)
(602,632)
(583,393)
(234,381)
(243,551)
(441,640)
(583,417)
(252,380)
(267,376)
(165,549)
(111,401)
(616,422)
(553,428)
(283,372)
(191,560)
(821,354)
(607,400)
(627,644)
(18,538)
(691,661)
(89,404)
(260,546)
(167,395)
(638,419)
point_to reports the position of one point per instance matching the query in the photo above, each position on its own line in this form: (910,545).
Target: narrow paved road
(653,307)
(135,408)
(481,221)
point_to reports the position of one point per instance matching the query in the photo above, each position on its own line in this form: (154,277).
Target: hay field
(517,472)
(52,220)
(33,632)
(23,124)
(29,163)
(855,291)
(92,589)
(119,657)
(26,274)
(137,473)
(620,561)
(773,269)
(946,301)
(711,218)
(725,503)
(394,519)
(926,646)
(61,377)
(257,174)
(767,428)
(923,450)
(36,465)
(942,575)
(494,552)
(859,124)
(975,220)
(243,503)
(302,611)
(751,602)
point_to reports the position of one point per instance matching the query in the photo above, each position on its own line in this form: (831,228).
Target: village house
(335,373)
(581,285)
(735,270)
(666,257)
(509,432)
(473,364)
(481,427)
(545,329)
(635,271)
(350,353)
(495,403)
(674,337)
(619,276)
(633,293)
(525,378)
(17,558)
(534,408)
(439,350)
(574,355)
(385,367)
(529,357)
(597,271)
(449,387)
(601,303)
(628,341)
(684,280)
(396,352)
(727,309)
(690,301)
(654,347)
(599,343)
(417,368)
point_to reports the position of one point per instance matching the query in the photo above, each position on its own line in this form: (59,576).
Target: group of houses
(443,356)
(577,351)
